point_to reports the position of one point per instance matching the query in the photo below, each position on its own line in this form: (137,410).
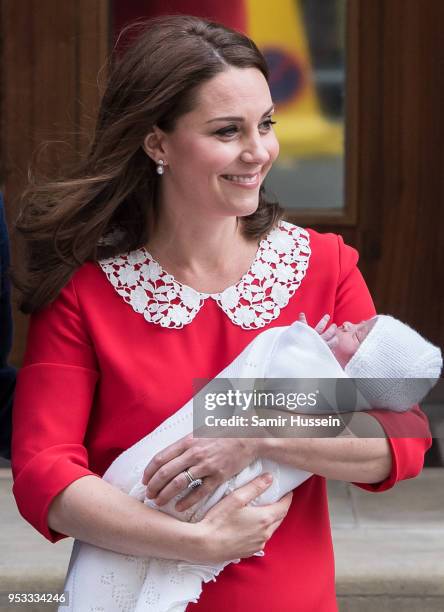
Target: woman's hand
(214,460)
(232,529)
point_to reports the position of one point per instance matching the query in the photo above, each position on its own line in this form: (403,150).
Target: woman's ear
(153,144)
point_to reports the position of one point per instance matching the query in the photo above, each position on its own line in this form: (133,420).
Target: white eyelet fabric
(277,271)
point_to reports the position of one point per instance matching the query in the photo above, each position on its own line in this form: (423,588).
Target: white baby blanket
(102,580)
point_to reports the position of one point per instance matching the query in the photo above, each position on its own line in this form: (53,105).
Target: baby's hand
(328,335)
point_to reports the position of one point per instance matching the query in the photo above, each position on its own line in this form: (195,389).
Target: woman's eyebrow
(232,118)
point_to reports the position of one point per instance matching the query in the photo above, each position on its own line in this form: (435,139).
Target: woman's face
(219,153)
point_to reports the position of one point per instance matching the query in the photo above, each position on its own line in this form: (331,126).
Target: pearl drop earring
(160,166)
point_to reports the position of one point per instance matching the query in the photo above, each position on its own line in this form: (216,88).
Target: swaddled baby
(374,350)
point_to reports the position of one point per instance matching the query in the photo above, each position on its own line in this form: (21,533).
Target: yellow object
(302,130)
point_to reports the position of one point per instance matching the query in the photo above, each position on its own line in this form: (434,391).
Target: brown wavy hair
(65,222)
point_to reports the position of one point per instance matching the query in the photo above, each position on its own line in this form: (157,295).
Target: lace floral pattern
(256,299)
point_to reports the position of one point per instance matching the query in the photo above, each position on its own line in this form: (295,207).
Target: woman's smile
(247,181)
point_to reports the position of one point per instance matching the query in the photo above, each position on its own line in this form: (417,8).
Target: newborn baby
(371,350)
(394,366)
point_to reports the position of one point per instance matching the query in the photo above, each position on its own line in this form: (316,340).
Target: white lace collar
(256,299)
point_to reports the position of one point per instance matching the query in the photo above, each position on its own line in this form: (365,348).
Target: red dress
(98,377)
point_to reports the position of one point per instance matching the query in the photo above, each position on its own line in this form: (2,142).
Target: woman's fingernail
(267,477)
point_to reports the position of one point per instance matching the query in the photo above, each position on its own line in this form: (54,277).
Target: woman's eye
(227,131)
(232,130)
(267,124)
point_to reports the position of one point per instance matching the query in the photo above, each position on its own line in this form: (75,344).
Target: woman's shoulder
(87,275)
(329,258)
(85,285)
(323,239)
(322,244)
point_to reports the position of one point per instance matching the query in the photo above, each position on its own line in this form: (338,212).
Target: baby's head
(348,339)
(384,348)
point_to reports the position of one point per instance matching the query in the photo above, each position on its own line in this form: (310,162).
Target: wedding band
(193,482)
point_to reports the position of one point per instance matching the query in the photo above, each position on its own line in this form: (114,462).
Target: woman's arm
(347,457)
(94,511)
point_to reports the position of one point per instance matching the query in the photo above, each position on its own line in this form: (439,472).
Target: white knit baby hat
(399,365)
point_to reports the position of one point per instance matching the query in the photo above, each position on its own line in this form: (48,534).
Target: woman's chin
(244,209)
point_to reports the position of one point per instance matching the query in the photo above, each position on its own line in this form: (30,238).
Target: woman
(193,264)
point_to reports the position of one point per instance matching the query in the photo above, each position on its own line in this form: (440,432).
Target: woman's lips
(249,181)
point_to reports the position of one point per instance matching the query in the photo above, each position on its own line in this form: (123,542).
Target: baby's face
(348,338)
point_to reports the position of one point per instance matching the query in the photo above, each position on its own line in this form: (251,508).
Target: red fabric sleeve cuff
(43,478)
(407,452)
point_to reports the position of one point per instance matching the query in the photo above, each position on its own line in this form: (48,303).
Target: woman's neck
(208,255)
(199,244)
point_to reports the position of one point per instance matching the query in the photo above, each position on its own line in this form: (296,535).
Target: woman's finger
(281,507)
(275,525)
(169,472)
(209,486)
(178,484)
(167,454)
(277,511)
(247,493)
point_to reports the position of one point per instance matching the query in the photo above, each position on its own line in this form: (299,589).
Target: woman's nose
(255,152)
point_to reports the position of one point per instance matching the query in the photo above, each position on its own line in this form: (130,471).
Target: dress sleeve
(408,433)
(54,396)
